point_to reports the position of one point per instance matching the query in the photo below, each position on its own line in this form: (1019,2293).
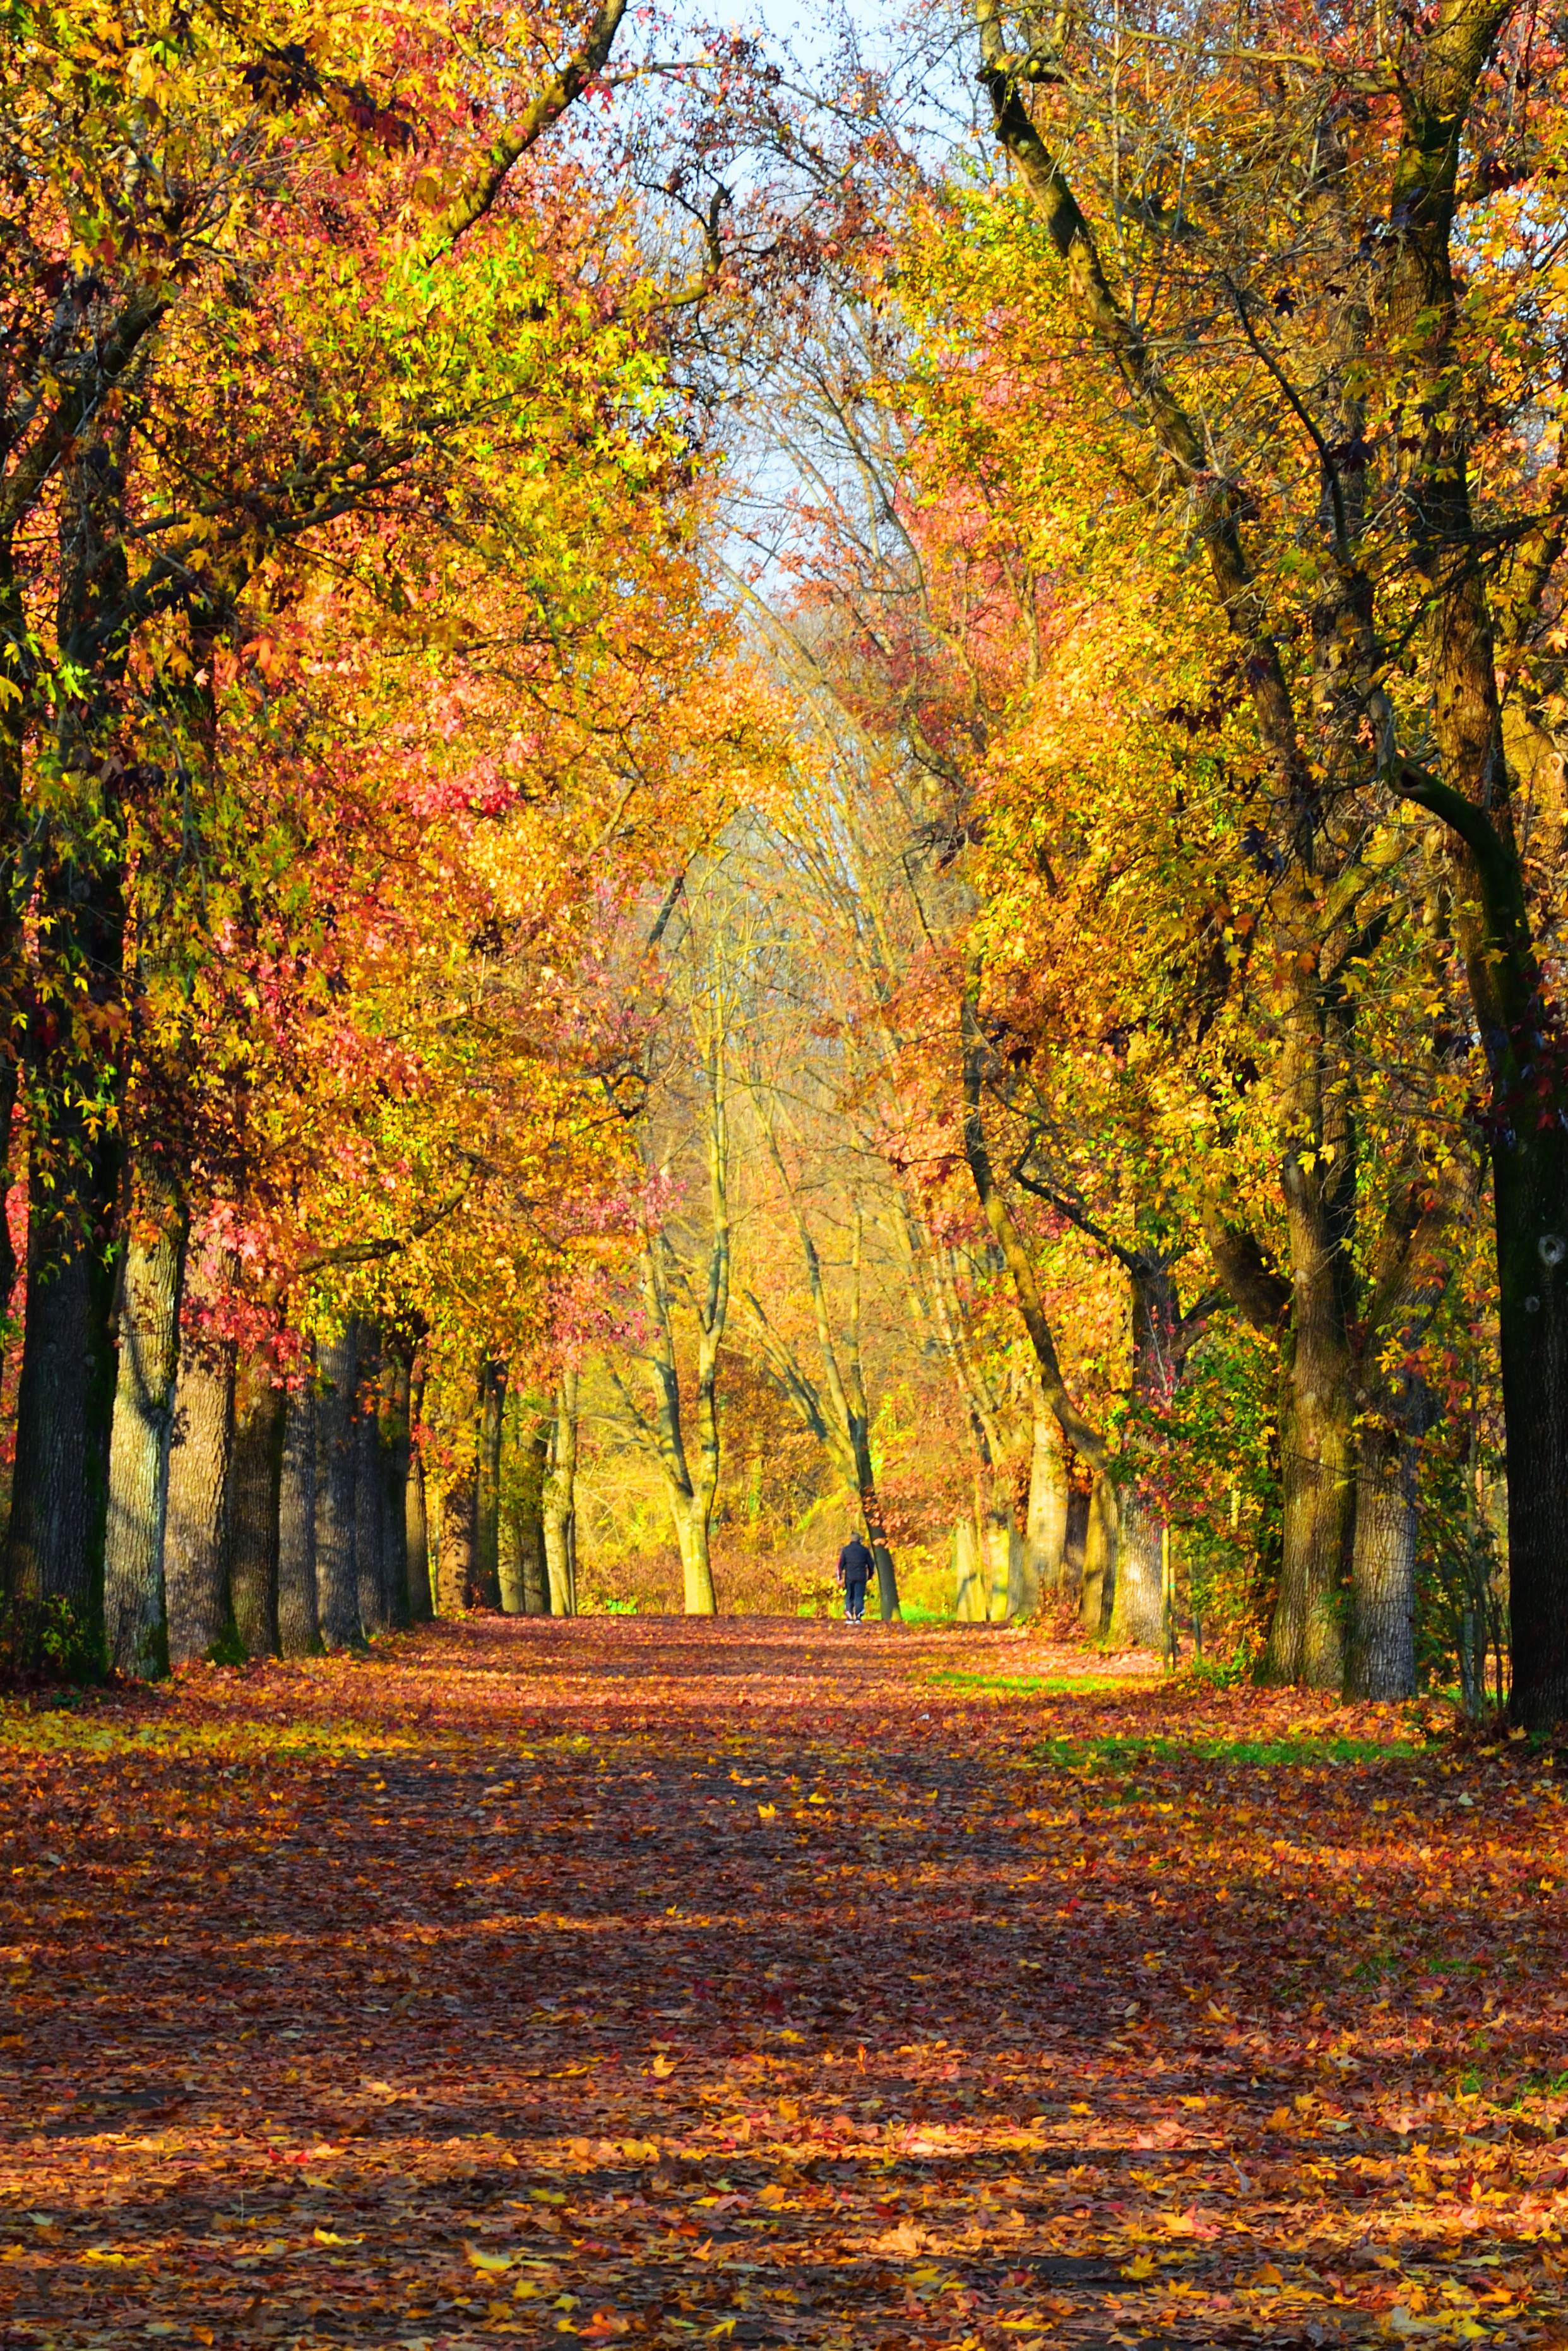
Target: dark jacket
(855,1561)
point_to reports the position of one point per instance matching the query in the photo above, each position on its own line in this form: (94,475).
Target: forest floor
(770,1982)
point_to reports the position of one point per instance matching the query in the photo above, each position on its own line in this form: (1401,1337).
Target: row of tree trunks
(251,1514)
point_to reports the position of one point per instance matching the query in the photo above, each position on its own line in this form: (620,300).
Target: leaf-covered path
(770,1982)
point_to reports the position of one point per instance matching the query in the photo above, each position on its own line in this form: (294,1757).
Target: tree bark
(456,1557)
(1102,1544)
(531,1531)
(65,1407)
(487,1521)
(560,1513)
(136,1618)
(337,1565)
(1138,1610)
(298,1630)
(255,1466)
(1045,1540)
(397,1388)
(369,1482)
(416,1528)
(196,1546)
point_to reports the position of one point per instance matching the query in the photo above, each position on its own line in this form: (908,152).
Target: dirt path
(768,1982)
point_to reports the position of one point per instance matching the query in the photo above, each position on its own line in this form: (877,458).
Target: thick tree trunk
(1382,1656)
(370,1502)
(487,1509)
(65,1405)
(196,1546)
(968,1578)
(693,1531)
(1530,1177)
(996,1544)
(255,1467)
(1138,1610)
(1102,1537)
(560,1513)
(1305,1641)
(337,1566)
(136,1621)
(298,1630)
(1045,1540)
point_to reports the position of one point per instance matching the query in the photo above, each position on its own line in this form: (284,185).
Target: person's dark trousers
(854,1603)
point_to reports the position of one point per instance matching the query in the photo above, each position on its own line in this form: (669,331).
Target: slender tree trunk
(337,1566)
(370,1507)
(196,1546)
(693,1535)
(531,1531)
(457,1553)
(1045,1541)
(487,1520)
(298,1631)
(521,1540)
(415,1516)
(136,1619)
(560,1511)
(254,1471)
(397,1388)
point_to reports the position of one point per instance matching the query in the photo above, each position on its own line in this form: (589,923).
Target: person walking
(856,1565)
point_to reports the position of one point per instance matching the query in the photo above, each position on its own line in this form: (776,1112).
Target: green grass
(1053,1685)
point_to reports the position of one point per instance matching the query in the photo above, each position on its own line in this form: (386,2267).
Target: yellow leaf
(486,2261)
(664,2067)
(1142,2267)
(330,2237)
(767,1812)
(1269,2275)
(1280,2119)
(524,2290)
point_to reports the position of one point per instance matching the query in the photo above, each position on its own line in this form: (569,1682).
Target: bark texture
(488,1512)
(337,1564)
(299,1632)
(1046,1571)
(195,1544)
(136,1622)
(417,1529)
(560,1513)
(255,1467)
(370,1501)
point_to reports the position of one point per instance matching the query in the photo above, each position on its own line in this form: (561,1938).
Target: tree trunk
(456,1552)
(337,1566)
(560,1511)
(1319,1476)
(996,1539)
(968,1581)
(1102,1537)
(488,1516)
(1382,1660)
(397,1387)
(255,1468)
(136,1619)
(1045,1569)
(298,1631)
(65,1406)
(1138,1612)
(531,1531)
(196,1547)
(1075,1544)
(369,1481)
(521,1539)
(417,1529)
